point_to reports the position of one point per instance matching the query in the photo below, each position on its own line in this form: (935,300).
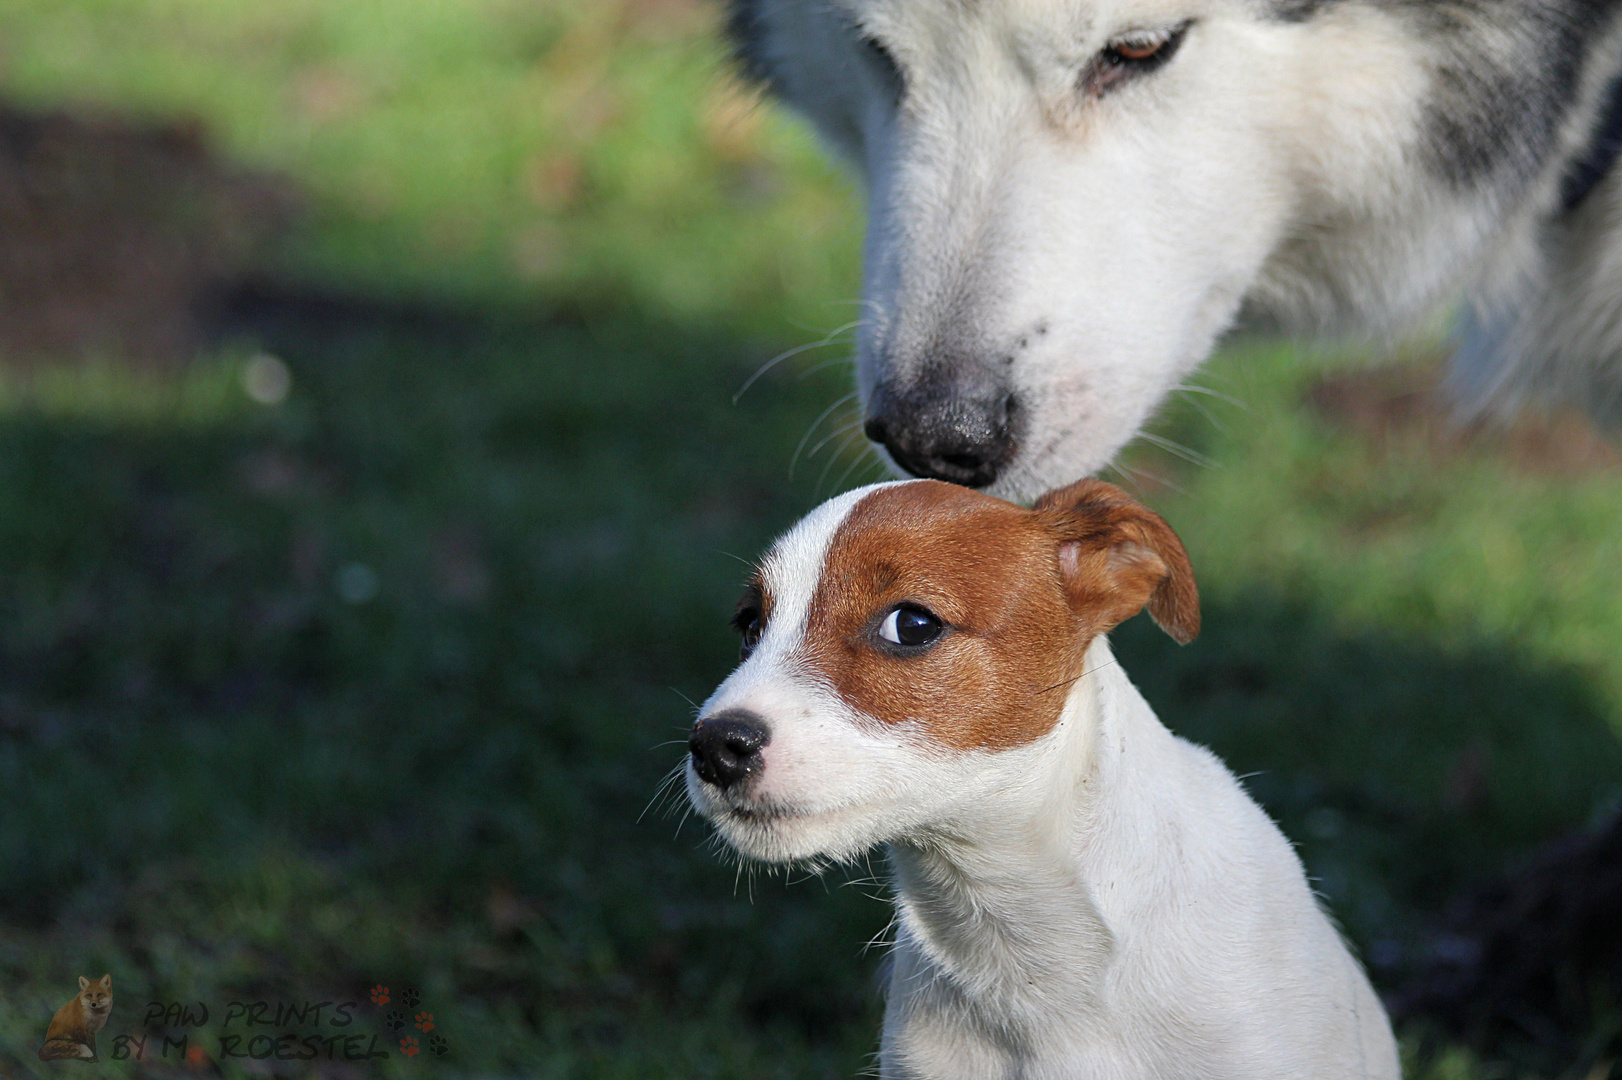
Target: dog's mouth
(754,812)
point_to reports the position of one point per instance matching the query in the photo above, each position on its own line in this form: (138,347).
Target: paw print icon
(380,994)
(395,1020)
(439,1046)
(410,999)
(408,1046)
(425,1021)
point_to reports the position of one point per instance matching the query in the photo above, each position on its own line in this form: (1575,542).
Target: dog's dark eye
(1129,55)
(911,626)
(750,625)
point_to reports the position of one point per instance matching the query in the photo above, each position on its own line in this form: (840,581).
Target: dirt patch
(1405,405)
(116,237)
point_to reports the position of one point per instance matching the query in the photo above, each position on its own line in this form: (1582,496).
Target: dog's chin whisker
(663,790)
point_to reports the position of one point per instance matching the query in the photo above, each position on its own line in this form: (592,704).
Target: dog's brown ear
(1118,556)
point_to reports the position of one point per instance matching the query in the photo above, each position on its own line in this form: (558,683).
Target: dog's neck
(1017,904)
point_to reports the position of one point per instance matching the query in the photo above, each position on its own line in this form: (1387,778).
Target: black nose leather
(726,747)
(962,438)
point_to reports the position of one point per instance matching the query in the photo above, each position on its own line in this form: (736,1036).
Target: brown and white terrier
(1079,893)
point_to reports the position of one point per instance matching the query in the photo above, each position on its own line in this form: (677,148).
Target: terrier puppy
(1079,893)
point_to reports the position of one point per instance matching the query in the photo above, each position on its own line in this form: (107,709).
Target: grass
(483,152)
(372,686)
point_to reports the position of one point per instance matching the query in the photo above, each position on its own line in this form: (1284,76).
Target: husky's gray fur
(1049,253)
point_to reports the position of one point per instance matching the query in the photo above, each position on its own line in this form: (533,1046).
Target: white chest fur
(1123,909)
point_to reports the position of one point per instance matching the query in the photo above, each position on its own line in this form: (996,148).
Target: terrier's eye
(910,626)
(750,626)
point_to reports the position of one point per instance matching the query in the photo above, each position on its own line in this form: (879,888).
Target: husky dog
(1071,200)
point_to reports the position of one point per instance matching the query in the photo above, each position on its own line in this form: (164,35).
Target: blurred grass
(372,685)
(485,152)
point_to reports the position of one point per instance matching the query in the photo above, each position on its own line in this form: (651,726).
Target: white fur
(1104,902)
(1100,247)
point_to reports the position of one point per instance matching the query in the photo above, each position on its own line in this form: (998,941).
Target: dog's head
(1070,199)
(906,647)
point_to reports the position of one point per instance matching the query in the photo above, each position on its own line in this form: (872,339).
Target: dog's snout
(726,747)
(947,433)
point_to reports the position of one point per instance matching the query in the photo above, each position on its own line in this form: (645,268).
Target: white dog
(1071,200)
(1079,893)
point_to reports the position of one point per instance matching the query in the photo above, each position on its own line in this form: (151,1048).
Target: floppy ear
(1118,556)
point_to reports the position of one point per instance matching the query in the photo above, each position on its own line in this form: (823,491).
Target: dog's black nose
(962,437)
(726,747)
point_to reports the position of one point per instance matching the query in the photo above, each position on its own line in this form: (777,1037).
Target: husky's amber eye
(1129,55)
(1137,50)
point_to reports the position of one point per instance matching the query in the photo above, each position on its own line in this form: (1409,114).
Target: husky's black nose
(726,746)
(961,434)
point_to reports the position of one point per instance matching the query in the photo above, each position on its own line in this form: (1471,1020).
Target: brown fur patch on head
(1023,593)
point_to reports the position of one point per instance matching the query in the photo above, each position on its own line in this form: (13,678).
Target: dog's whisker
(1195,388)
(1177,449)
(831,337)
(1209,416)
(1126,476)
(842,429)
(854,301)
(824,365)
(1109,663)
(833,459)
(839,485)
(882,939)
(685,814)
(812,430)
(665,788)
(1149,476)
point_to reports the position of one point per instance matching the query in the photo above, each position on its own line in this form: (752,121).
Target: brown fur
(72,1033)
(1024,593)
(1120,555)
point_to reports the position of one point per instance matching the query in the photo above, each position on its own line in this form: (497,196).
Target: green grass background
(224,778)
